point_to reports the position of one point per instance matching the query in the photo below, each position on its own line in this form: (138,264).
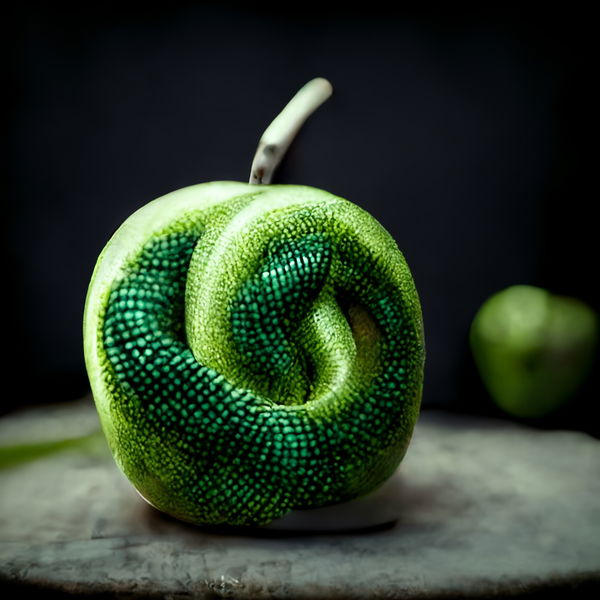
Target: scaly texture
(253,349)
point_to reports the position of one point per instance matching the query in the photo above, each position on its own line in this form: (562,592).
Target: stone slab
(482,508)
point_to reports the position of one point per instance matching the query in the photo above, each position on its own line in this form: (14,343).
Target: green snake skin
(253,349)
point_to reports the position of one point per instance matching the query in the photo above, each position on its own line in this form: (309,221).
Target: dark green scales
(252,350)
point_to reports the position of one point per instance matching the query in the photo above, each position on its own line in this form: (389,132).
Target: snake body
(253,349)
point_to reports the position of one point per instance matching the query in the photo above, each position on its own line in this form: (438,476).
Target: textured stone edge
(586,585)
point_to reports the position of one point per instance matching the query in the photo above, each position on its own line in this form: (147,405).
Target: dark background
(468,135)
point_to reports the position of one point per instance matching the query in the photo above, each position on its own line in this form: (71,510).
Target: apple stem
(280,133)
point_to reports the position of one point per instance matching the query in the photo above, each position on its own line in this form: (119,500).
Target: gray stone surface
(484,508)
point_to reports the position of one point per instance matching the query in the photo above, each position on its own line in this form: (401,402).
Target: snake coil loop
(252,350)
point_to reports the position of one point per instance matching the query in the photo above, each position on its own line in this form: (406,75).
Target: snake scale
(253,349)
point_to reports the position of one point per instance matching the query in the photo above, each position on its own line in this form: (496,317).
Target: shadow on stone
(398,503)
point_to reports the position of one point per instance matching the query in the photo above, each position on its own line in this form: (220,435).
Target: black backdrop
(468,136)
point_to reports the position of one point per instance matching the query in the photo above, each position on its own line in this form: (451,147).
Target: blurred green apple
(533,349)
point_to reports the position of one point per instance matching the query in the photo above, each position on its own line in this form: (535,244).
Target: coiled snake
(253,349)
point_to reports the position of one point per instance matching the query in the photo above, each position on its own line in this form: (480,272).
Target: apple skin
(533,349)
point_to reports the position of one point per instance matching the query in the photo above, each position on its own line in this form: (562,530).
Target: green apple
(533,349)
(253,348)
